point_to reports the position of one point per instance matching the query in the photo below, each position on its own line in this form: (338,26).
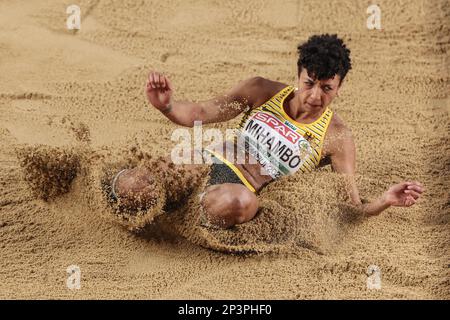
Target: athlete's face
(317,94)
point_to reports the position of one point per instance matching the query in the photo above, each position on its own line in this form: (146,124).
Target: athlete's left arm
(343,160)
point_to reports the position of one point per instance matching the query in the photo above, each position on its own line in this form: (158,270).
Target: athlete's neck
(300,112)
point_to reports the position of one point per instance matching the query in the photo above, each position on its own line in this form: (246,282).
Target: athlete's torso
(270,144)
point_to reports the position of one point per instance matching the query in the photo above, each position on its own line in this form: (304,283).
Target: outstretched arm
(159,91)
(343,160)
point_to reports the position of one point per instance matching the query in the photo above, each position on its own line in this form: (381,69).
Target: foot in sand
(136,189)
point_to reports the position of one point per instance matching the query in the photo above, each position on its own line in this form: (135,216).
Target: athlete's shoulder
(256,82)
(274,86)
(257,90)
(338,137)
(338,129)
(270,88)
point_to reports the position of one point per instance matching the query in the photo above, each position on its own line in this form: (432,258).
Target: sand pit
(73,110)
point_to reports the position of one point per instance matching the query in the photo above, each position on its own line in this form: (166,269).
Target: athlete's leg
(135,188)
(225,205)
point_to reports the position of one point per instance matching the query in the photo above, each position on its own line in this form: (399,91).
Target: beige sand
(83,93)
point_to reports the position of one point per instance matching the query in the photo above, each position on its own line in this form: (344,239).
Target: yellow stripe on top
(316,129)
(314,132)
(257,118)
(235,169)
(267,104)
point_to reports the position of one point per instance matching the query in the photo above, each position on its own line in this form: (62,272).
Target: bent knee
(245,207)
(233,204)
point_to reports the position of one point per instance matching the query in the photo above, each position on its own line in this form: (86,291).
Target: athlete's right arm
(219,109)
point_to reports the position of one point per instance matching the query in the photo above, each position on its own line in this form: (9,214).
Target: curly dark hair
(324,56)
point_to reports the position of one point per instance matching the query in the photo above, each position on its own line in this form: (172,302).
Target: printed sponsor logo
(278,126)
(290,125)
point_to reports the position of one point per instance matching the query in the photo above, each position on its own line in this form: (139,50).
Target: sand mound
(48,171)
(315,218)
(299,222)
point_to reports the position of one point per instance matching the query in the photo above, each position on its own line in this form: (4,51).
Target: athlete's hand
(403,194)
(159,90)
